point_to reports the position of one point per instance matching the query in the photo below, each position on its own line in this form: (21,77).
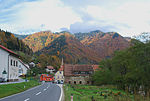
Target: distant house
(59,75)
(78,74)
(50,69)
(32,64)
(8,64)
(23,68)
(46,77)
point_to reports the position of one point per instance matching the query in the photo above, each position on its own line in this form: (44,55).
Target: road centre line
(27,99)
(38,93)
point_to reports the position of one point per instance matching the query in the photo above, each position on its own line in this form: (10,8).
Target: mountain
(72,50)
(38,41)
(8,40)
(20,36)
(105,44)
(80,48)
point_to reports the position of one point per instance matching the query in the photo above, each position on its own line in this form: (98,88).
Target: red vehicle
(46,77)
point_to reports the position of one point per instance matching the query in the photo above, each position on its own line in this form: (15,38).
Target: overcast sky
(127,17)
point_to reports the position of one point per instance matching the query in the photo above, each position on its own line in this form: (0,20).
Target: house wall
(50,70)
(13,68)
(78,80)
(59,76)
(3,61)
(22,69)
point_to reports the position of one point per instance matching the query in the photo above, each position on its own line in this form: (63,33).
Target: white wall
(3,61)
(22,69)
(13,69)
(59,76)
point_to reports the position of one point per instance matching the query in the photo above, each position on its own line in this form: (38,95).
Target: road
(44,92)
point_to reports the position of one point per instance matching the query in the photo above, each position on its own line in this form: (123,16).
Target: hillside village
(74,50)
(12,67)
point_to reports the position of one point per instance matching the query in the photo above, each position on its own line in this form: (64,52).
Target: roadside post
(71,97)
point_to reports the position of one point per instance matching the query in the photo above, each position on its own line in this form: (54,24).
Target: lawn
(9,89)
(98,93)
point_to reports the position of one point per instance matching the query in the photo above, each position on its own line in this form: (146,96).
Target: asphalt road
(45,92)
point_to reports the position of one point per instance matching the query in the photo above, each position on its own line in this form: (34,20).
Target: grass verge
(97,93)
(10,89)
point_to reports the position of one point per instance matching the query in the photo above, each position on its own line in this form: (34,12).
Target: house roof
(50,67)
(69,69)
(82,68)
(9,51)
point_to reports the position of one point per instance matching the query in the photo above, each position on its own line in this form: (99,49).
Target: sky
(127,17)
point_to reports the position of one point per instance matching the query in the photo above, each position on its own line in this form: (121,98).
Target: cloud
(50,13)
(131,17)
(27,16)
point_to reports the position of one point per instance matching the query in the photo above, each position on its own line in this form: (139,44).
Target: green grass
(99,93)
(9,89)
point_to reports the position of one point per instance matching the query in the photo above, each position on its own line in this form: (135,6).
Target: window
(58,77)
(19,66)
(69,82)
(60,72)
(82,72)
(88,82)
(20,70)
(74,82)
(11,62)
(14,63)
(62,77)
(80,82)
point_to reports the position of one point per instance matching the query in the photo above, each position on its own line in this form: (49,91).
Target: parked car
(2,80)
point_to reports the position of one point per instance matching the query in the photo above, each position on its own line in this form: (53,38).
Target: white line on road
(44,89)
(27,99)
(38,93)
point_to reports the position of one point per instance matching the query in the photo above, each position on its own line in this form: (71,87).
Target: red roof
(95,67)
(50,67)
(69,69)
(11,52)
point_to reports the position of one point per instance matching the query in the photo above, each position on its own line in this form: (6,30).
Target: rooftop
(69,69)
(50,67)
(9,51)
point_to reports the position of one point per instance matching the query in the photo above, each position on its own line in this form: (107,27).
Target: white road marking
(45,89)
(60,98)
(38,93)
(27,99)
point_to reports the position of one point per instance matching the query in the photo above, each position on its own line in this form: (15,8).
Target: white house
(23,68)
(9,64)
(50,69)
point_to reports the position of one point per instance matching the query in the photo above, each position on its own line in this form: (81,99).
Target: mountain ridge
(79,46)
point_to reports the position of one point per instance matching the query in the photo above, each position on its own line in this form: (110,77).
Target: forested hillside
(128,69)
(72,50)
(8,40)
(80,48)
